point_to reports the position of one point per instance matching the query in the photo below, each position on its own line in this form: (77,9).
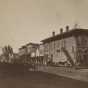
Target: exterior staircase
(69,58)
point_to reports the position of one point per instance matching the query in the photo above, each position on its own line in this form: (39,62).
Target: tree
(7,52)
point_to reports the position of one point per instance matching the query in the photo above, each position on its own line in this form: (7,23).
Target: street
(31,79)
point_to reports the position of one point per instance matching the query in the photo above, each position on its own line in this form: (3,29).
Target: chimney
(67,28)
(61,30)
(53,33)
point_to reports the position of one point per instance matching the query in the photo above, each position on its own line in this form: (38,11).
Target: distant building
(32,53)
(41,50)
(71,46)
(22,50)
(29,49)
(32,49)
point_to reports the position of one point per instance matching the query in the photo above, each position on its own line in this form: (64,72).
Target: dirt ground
(21,79)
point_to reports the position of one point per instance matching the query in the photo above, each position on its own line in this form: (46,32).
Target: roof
(73,32)
(25,46)
(22,47)
(35,44)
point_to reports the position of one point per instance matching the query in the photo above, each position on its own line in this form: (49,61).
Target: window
(72,49)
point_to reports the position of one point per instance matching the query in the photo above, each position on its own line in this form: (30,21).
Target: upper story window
(58,44)
(46,47)
(72,49)
(82,40)
(63,42)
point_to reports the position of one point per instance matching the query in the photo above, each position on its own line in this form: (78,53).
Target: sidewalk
(81,74)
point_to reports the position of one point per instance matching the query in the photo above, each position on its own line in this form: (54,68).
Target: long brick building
(71,46)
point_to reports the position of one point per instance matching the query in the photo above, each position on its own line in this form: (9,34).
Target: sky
(24,21)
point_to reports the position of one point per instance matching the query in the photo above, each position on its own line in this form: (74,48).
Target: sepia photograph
(43,43)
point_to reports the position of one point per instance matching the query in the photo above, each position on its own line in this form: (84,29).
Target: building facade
(29,49)
(32,49)
(41,50)
(22,51)
(70,46)
(32,53)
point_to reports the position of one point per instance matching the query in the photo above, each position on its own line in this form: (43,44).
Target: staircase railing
(69,58)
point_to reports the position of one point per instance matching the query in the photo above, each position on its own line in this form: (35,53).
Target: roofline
(72,32)
(24,46)
(32,44)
